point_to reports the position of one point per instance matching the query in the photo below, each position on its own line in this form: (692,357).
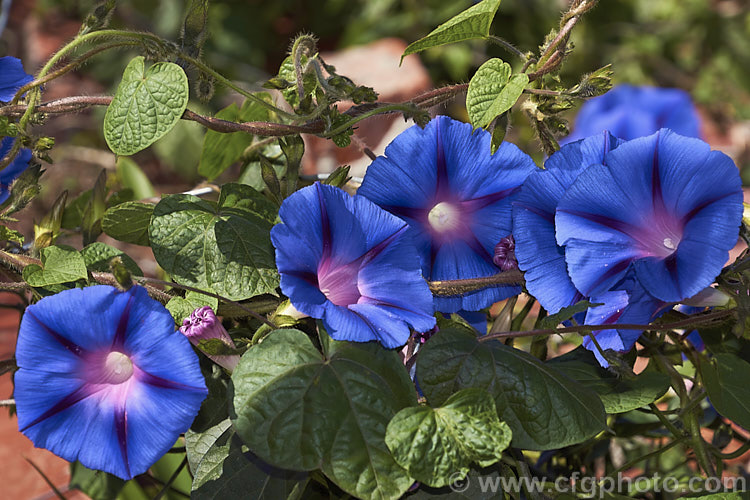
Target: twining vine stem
(691,321)
(17,263)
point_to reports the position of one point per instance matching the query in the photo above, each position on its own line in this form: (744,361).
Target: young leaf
(97,256)
(493,91)
(333,410)
(147,104)
(544,408)
(434,444)
(128,222)
(198,443)
(60,264)
(472,23)
(288,73)
(225,247)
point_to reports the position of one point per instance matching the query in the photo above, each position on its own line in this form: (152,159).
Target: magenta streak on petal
(375,250)
(442,188)
(607,145)
(121,426)
(471,206)
(548,216)
(656,191)
(477,247)
(671,263)
(434,249)
(366,322)
(416,213)
(304,275)
(122,325)
(63,404)
(162,383)
(703,205)
(618,225)
(325,224)
(612,318)
(70,346)
(618,267)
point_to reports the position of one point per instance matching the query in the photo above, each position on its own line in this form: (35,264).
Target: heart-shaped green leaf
(544,408)
(437,444)
(493,91)
(299,409)
(60,264)
(147,104)
(224,247)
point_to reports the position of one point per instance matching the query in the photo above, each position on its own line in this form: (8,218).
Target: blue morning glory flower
(629,112)
(12,77)
(14,169)
(537,252)
(665,206)
(456,198)
(344,260)
(105,379)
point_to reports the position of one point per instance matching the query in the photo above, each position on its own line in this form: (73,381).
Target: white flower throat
(444,217)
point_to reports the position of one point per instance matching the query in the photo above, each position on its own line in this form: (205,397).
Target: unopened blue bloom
(456,198)
(348,262)
(14,169)
(537,251)
(664,206)
(629,112)
(12,77)
(105,379)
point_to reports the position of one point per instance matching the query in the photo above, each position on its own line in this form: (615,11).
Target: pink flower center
(117,368)
(339,283)
(661,237)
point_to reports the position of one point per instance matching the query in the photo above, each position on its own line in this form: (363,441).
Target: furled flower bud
(708,297)
(204,325)
(505,254)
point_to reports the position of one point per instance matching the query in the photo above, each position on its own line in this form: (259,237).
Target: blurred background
(701,46)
